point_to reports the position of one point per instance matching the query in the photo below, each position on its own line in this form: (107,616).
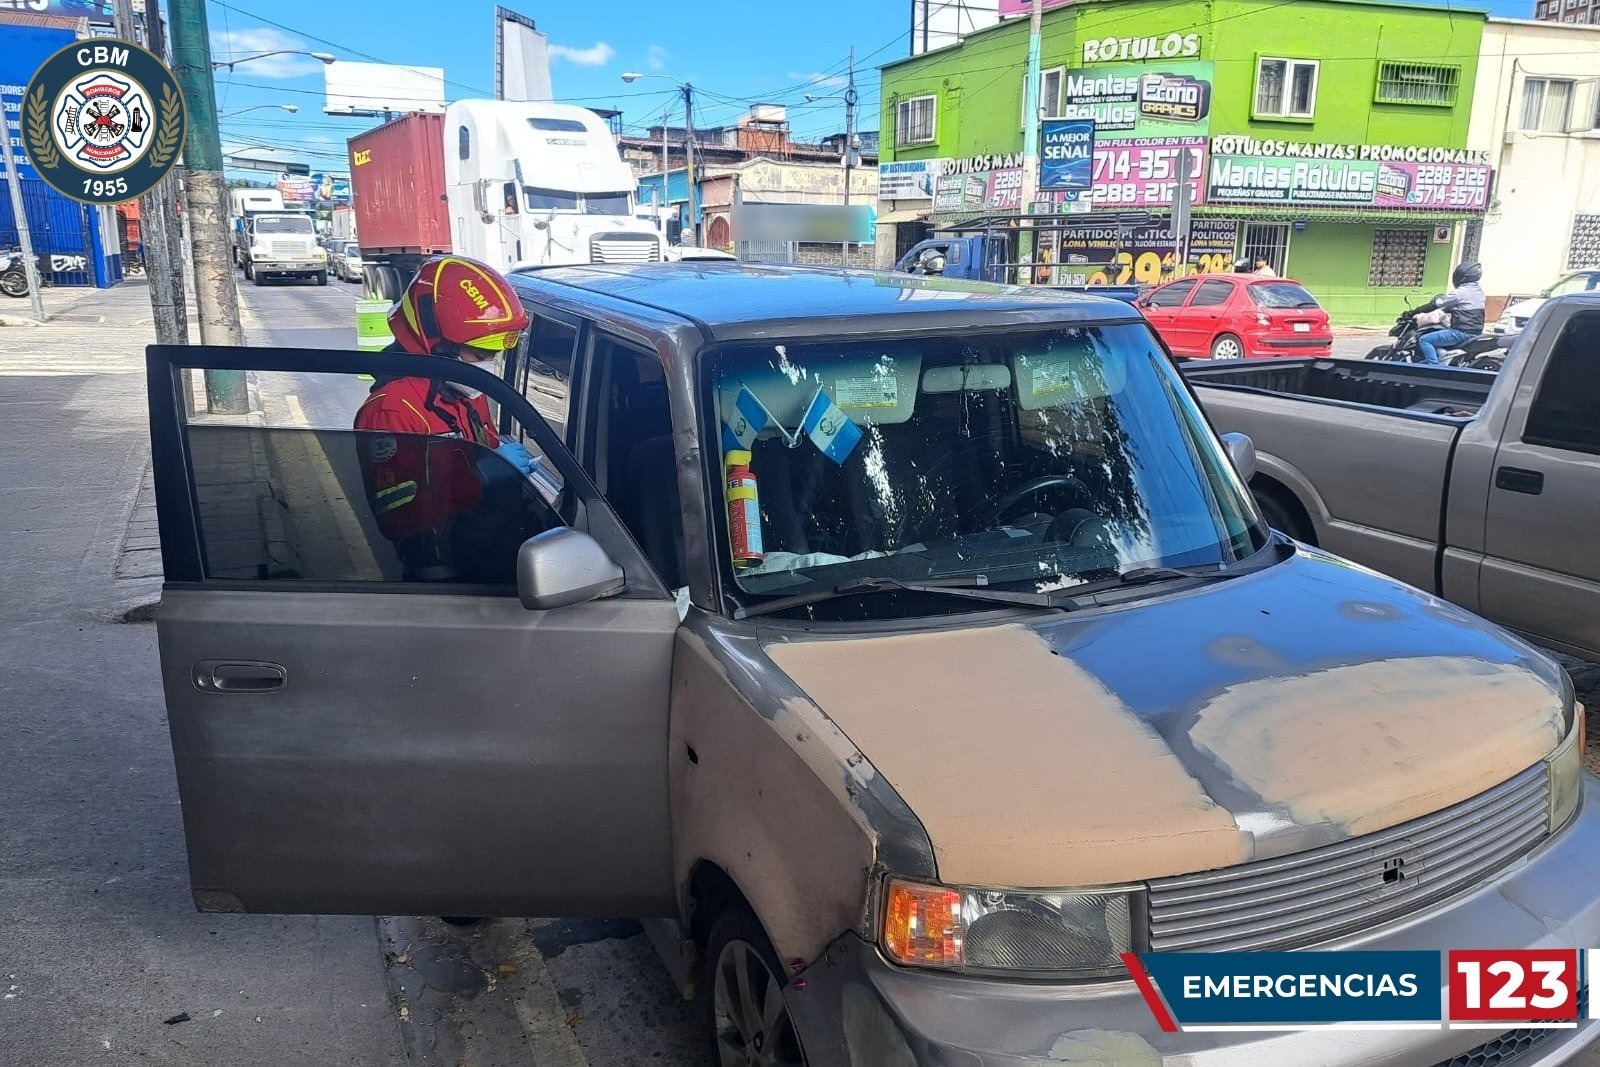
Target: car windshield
(352,251)
(283,224)
(550,199)
(1572,283)
(1281,295)
(606,204)
(1046,459)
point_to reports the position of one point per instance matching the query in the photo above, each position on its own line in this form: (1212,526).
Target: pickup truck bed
(1478,487)
(1398,387)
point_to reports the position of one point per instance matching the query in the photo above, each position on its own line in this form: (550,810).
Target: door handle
(1518,480)
(238,676)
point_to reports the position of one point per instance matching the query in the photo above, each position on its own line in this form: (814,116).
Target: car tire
(1281,517)
(249,271)
(747,1032)
(322,277)
(256,277)
(1227,346)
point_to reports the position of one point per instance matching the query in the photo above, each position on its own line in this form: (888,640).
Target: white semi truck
(513,183)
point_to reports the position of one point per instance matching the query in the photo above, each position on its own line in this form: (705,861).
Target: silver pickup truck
(1483,488)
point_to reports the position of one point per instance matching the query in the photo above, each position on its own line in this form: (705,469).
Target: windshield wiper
(1141,576)
(975,587)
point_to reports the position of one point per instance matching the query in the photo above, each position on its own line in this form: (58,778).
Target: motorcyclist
(429,454)
(1464,303)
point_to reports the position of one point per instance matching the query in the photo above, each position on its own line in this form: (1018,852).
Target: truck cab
(539,184)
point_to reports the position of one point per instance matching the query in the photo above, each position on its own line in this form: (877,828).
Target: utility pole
(849,140)
(688,159)
(661,220)
(156,219)
(208,228)
(1180,216)
(1030,133)
(30,266)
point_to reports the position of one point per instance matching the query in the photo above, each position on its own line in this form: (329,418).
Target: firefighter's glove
(518,456)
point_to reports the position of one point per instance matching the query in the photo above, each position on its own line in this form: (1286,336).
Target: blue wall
(56,224)
(677,193)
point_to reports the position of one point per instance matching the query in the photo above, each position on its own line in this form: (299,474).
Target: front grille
(1504,1050)
(624,248)
(1316,896)
(281,248)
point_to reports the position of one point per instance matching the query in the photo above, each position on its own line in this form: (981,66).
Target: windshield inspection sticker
(870,391)
(830,429)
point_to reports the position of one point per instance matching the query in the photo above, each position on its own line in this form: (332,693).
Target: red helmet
(455,301)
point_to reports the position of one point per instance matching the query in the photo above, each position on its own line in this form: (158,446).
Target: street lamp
(688,145)
(290,108)
(321,57)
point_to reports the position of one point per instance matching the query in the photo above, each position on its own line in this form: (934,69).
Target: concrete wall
(1542,179)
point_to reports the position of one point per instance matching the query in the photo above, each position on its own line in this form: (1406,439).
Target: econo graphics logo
(103,121)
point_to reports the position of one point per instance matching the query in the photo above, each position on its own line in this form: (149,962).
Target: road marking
(540,1011)
(296,412)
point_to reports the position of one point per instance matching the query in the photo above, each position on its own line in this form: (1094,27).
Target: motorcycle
(1479,353)
(13,278)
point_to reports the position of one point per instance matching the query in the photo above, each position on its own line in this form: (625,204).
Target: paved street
(102,957)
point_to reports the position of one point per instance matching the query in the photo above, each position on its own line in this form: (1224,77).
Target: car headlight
(1566,773)
(1068,933)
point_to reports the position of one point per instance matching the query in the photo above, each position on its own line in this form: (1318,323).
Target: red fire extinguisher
(744,510)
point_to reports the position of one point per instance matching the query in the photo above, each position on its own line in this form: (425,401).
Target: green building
(1328,136)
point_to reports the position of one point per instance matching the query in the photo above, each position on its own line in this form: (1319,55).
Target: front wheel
(1227,347)
(322,277)
(256,277)
(750,1021)
(14,283)
(1382,352)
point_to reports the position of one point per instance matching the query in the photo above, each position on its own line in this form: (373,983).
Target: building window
(1052,83)
(463,142)
(1399,258)
(914,121)
(1417,83)
(1286,88)
(1546,104)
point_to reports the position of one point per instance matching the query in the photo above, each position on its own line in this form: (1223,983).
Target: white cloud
(596,55)
(656,57)
(820,80)
(229,45)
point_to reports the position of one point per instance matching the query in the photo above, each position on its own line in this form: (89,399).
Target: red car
(1238,316)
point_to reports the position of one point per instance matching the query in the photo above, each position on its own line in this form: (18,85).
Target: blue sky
(731,58)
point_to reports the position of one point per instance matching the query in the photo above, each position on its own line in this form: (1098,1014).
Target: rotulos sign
(1124,49)
(1381,153)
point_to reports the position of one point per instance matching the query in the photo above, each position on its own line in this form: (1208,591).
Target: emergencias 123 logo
(103,121)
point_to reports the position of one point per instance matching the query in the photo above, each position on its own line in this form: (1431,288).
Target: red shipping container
(397,186)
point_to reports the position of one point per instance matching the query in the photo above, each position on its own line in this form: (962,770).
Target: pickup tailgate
(1371,479)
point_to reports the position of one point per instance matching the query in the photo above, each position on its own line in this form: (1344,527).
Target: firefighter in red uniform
(442,484)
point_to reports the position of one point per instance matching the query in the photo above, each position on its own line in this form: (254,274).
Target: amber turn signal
(922,925)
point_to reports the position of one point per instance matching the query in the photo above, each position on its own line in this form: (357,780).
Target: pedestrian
(430,458)
(1263,268)
(1465,305)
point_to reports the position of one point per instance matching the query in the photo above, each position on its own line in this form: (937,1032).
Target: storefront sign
(1115,49)
(909,180)
(1004,190)
(1146,254)
(1174,101)
(1351,183)
(1066,154)
(1382,153)
(1144,173)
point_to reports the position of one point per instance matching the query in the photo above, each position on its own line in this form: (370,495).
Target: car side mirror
(1242,451)
(564,566)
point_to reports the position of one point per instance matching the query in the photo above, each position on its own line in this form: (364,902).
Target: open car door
(365,717)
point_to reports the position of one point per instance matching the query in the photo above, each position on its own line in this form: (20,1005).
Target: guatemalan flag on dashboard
(744,425)
(829,428)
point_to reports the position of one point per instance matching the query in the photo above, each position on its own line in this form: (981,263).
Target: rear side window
(1212,294)
(1281,295)
(1566,411)
(1172,296)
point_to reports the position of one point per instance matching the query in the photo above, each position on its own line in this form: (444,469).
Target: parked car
(823,643)
(1237,316)
(1516,315)
(1478,487)
(345,261)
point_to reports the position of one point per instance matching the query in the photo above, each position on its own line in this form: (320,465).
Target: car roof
(745,301)
(1235,276)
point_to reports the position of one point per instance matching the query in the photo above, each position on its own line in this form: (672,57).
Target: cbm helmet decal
(103,121)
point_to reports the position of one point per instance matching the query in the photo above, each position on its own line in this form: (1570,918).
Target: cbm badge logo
(103,121)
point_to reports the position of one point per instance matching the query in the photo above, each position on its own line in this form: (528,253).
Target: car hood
(1523,309)
(1310,702)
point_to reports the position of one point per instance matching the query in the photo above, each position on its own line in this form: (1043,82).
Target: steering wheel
(1050,481)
